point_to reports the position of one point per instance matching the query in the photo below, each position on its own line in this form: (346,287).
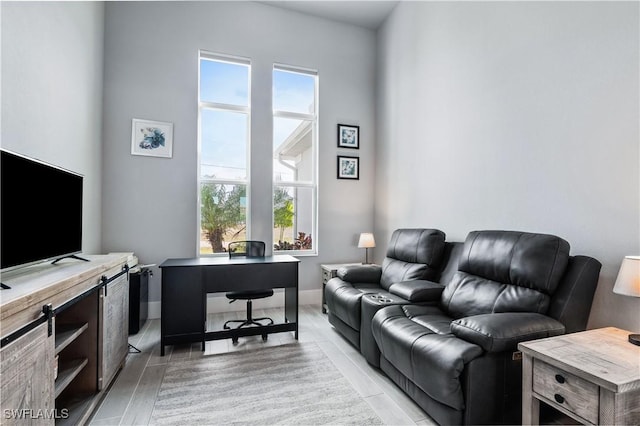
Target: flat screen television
(40,211)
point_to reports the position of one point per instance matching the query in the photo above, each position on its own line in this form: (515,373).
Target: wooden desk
(186,282)
(592,376)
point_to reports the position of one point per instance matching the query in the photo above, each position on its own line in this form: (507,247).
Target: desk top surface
(227,261)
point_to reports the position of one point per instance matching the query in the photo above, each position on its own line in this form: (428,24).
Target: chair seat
(249,294)
(418,342)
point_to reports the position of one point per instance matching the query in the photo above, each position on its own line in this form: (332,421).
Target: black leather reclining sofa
(443,319)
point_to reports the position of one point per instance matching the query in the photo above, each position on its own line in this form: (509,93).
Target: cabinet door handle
(559,378)
(559,398)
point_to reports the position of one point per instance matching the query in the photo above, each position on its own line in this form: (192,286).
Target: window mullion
(294,115)
(224,107)
(224,181)
(303,184)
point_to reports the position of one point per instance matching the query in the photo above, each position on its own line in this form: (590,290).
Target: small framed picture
(151,138)
(348,136)
(348,167)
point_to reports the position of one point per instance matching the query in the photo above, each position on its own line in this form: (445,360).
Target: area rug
(294,384)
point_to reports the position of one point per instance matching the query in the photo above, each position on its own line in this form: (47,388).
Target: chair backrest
(412,254)
(246,248)
(506,271)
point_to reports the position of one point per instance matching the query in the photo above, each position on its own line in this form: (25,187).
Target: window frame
(312,184)
(216,106)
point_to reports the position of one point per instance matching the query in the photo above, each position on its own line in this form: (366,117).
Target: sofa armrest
(417,290)
(360,273)
(503,331)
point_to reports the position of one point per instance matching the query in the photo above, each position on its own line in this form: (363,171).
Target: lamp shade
(366,240)
(628,281)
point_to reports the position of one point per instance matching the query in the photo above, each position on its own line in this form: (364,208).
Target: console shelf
(68,372)
(65,334)
(80,407)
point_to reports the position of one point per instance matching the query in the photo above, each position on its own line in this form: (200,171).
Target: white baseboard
(217,303)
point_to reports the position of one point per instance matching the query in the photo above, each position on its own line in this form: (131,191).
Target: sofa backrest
(571,303)
(505,271)
(450,259)
(412,254)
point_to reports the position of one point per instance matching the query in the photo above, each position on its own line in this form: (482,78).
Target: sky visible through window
(292,92)
(224,83)
(224,133)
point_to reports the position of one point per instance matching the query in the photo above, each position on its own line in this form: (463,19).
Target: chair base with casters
(249,296)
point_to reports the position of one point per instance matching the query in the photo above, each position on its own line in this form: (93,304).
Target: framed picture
(348,167)
(348,136)
(151,138)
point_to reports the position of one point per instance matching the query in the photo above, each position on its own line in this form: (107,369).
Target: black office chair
(248,249)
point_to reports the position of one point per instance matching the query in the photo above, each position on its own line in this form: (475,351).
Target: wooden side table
(591,376)
(330,270)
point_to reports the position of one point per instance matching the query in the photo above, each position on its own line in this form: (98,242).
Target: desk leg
(162,317)
(530,404)
(291,307)
(291,301)
(204,315)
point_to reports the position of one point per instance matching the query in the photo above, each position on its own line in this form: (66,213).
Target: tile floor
(131,397)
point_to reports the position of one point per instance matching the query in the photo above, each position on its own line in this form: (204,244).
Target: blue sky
(224,134)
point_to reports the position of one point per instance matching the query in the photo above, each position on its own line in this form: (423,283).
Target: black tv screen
(41,211)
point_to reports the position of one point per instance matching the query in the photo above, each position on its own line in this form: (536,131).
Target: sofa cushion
(412,254)
(506,271)
(414,340)
(430,317)
(473,295)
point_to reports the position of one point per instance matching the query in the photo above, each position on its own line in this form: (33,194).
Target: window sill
(298,253)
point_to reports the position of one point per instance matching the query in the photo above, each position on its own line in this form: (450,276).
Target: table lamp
(366,242)
(628,284)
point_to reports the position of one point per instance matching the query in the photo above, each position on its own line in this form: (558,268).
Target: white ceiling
(368,14)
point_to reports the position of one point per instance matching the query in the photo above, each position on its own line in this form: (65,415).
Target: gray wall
(509,115)
(52,57)
(151,69)
(489,115)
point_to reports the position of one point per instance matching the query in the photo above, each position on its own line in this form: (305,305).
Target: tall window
(224,109)
(295,122)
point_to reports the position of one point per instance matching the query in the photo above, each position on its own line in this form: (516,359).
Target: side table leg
(530,405)
(607,411)
(324,301)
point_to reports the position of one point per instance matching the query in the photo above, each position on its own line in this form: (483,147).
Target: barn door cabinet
(65,331)
(27,379)
(114,312)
